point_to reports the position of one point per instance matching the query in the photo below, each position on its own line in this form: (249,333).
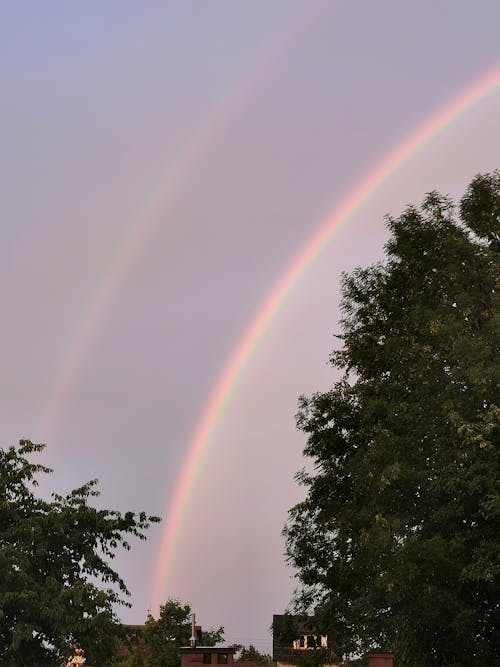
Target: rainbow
(155,211)
(225,386)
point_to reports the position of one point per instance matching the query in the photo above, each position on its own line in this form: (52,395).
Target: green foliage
(157,645)
(396,544)
(251,654)
(319,657)
(56,583)
(164,636)
(287,628)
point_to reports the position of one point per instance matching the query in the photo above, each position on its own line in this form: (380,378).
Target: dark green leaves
(54,562)
(396,542)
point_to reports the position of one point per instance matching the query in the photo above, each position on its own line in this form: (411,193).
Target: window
(222,658)
(207,658)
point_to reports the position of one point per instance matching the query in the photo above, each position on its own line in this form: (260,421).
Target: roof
(207,649)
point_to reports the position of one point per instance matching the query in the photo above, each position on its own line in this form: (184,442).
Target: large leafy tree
(157,643)
(397,542)
(56,583)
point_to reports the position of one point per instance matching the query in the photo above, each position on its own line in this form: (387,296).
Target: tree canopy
(157,643)
(56,583)
(251,654)
(396,543)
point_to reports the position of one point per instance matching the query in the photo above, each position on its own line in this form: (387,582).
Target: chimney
(192,640)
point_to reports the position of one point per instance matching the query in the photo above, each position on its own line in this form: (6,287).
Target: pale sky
(162,163)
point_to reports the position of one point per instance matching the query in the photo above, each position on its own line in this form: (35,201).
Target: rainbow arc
(217,402)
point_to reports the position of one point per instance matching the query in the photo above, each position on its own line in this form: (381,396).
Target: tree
(157,645)
(251,654)
(56,584)
(396,543)
(288,629)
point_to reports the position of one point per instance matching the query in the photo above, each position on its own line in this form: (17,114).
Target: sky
(163,163)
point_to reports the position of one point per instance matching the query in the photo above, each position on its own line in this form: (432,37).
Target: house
(197,654)
(294,636)
(193,656)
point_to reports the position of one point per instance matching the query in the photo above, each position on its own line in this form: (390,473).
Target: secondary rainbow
(270,307)
(155,212)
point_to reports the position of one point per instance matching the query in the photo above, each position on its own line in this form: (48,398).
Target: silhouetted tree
(397,542)
(251,654)
(157,643)
(56,583)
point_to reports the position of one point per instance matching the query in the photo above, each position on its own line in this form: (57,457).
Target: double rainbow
(238,360)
